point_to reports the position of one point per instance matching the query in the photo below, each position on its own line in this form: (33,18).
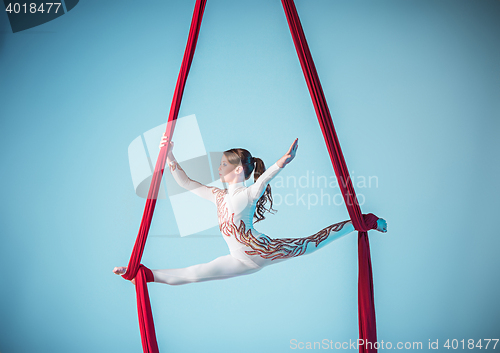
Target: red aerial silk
(366,304)
(367,328)
(134,268)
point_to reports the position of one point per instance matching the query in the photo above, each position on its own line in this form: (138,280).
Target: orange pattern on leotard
(263,245)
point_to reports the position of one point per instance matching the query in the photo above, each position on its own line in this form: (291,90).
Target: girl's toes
(120,270)
(382,225)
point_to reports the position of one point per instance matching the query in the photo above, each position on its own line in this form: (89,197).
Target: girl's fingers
(164,142)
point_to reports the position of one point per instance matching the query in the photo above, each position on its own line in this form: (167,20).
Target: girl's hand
(290,155)
(163,142)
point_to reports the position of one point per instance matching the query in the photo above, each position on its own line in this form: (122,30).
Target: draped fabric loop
(366,307)
(366,304)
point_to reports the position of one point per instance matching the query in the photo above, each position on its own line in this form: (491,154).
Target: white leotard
(235,209)
(250,250)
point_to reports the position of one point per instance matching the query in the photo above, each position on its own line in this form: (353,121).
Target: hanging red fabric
(134,268)
(366,304)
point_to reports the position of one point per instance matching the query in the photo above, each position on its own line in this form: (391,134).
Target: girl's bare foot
(382,225)
(121,271)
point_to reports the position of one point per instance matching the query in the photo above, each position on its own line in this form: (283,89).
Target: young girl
(237,206)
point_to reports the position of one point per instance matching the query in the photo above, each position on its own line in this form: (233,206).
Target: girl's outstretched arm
(183,180)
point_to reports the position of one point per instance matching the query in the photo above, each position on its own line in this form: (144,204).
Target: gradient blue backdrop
(414,91)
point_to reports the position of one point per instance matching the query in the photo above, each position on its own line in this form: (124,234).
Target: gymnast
(237,207)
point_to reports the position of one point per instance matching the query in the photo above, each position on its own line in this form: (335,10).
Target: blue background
(414,91)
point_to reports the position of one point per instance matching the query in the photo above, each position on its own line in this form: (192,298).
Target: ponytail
(260,168)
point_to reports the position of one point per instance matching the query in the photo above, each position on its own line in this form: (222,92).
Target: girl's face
(227,171)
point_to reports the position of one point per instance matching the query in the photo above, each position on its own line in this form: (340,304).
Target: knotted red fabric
(142,275)
(366,304)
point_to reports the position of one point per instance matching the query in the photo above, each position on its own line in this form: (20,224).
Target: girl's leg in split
(327,236)
(277,250)
(222,267)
